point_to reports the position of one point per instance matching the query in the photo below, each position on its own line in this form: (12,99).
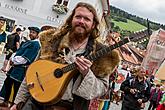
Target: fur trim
(46,38)
(47,35)
(106,64)
(64,43)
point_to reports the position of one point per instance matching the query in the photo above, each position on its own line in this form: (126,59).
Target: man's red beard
(79,37)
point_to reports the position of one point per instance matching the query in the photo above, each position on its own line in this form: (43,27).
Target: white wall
(39,12)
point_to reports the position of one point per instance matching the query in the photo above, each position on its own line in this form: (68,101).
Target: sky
(154,10)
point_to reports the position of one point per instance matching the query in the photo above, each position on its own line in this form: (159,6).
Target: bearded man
(73,42)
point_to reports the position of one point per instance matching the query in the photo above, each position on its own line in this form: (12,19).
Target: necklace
(70,57)
(81,45)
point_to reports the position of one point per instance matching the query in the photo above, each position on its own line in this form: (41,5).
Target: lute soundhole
(58,73)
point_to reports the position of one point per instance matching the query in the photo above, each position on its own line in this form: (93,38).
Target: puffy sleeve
(96,82)
(91,86)
(31,51)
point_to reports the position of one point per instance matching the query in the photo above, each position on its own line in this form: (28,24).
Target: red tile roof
(127,55)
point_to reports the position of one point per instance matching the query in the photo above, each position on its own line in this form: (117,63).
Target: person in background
(2,36)
(155,97)
(20,61)
(72,43)
(136,91)
(2,32)
(112,80)
(11,47)
(161,105)
(24,35)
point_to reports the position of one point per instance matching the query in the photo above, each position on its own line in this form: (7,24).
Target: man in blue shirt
(23,57)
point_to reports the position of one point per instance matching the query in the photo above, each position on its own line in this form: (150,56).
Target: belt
(25,66)
(63,103)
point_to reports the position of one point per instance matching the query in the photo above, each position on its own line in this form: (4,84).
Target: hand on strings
(133,91)
(140,101)
(83,65)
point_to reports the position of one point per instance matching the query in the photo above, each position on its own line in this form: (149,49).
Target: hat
(2,18)
(46,27)
(36,29)
(18,29)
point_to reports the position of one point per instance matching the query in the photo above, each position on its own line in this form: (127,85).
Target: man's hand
(11,63)
(140,101)
(83,65)
(14,107)
(133,91)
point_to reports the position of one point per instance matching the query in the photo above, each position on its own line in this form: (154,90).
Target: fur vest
(52,47)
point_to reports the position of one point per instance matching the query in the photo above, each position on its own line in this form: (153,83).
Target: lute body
(42,82)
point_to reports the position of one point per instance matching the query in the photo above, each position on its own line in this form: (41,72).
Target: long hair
(138,69)
(68,24)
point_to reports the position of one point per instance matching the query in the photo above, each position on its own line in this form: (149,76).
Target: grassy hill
(121,15)
(130,25)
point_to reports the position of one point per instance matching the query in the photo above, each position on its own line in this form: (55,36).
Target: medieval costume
(23,57)
(3,37)
(79,90)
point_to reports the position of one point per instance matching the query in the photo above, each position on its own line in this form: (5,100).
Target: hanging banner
(155,52)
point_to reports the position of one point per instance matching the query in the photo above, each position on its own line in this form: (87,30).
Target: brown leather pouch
(20,105)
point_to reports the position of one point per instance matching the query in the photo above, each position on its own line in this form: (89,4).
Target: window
(10,25)
(62,2)
(59,1)
(60,6)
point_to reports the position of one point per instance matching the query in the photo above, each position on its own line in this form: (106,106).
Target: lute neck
(97,55)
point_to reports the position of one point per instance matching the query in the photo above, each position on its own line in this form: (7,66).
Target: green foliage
(122,14)
(126,23)
(129,25)
(118,19)
(116,29)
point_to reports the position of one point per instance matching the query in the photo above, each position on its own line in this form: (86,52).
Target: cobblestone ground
(2,75)
(114,106)
(2,78)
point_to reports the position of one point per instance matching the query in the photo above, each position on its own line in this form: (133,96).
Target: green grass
(130,25)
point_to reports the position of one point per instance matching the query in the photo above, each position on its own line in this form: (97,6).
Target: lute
(47,80)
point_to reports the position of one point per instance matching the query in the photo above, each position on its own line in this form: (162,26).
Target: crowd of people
(71,43)
(137,89)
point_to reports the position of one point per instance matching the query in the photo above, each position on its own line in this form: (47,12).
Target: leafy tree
(116,29)
(112,24)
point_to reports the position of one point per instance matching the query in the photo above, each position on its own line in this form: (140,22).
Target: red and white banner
(155,52)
